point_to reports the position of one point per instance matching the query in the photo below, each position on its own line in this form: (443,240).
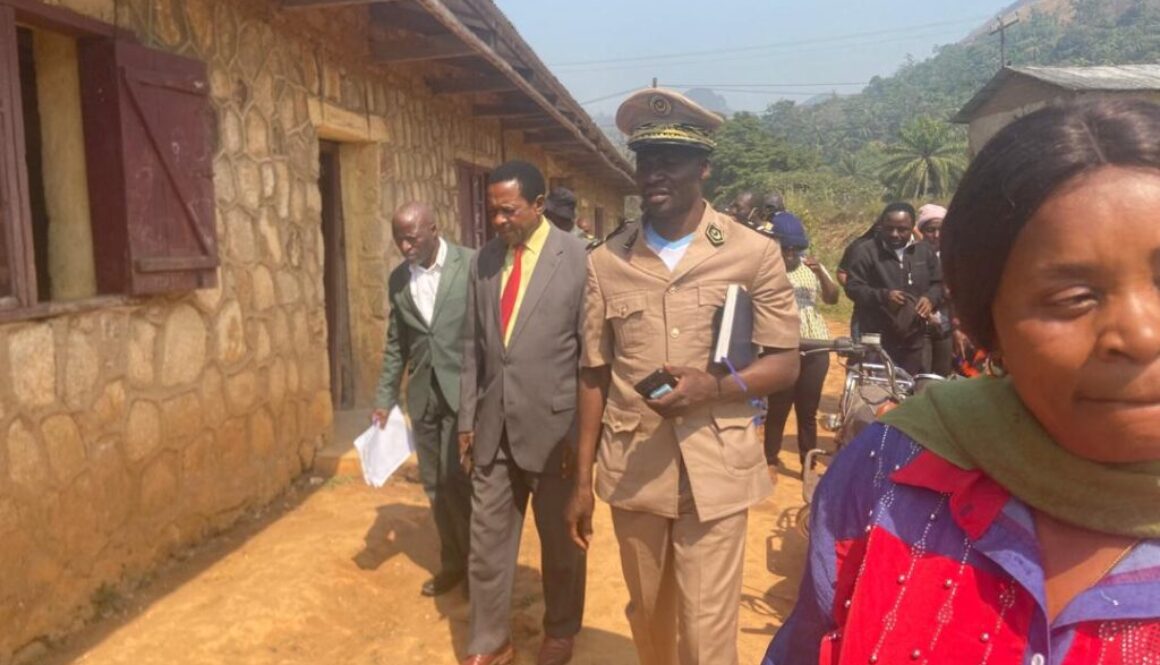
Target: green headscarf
(982,424)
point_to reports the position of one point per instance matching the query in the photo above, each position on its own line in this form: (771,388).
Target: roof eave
(620,167)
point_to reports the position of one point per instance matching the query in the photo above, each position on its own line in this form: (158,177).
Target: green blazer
(420,350)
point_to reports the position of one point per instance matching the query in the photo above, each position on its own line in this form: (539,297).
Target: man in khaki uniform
(680,471)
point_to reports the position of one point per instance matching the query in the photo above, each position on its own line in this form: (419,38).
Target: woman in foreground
(1016,518)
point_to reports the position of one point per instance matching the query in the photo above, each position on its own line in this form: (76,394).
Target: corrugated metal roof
(1112,78)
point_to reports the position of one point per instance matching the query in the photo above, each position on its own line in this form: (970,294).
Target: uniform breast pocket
(628,318)
(710,301)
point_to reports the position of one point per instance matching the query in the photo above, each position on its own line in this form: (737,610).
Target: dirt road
(332,574)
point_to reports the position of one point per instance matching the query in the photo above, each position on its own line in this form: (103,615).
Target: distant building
(1017,91)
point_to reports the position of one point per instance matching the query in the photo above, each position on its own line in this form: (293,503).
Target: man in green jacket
(428,300)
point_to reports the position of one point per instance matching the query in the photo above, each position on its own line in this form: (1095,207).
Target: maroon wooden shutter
(484,231)
(17,278)
(466,211)
(149,132)
(474,230)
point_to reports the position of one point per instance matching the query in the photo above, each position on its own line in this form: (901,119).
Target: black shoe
(441,584)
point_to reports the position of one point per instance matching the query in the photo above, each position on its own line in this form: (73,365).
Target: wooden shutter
(17,277)
(466,214)
(474,230)
(149,132)
(484,231)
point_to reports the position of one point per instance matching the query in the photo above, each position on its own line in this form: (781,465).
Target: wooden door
(334,280)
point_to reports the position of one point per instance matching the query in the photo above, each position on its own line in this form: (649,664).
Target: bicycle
(873,386)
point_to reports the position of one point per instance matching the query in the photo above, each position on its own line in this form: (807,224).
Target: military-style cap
(656,116)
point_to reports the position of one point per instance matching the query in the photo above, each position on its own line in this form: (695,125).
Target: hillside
(1051,32)
(1063,10)
(838,158)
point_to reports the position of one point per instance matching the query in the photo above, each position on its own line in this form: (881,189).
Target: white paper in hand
(382,451)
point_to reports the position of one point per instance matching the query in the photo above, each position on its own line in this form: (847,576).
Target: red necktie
(507,303)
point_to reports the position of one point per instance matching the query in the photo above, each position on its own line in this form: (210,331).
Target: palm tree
(926,162)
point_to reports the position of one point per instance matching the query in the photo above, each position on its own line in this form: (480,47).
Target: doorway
(334,277)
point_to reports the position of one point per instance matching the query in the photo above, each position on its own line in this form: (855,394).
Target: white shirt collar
(440,259)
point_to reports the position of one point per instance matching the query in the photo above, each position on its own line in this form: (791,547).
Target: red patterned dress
(914,560)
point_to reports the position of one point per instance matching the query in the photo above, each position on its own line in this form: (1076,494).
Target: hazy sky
(751,51)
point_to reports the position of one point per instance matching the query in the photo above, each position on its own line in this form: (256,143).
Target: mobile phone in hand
(656,385)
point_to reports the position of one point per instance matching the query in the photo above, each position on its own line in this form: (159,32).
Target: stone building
(1016,91)
(194,243)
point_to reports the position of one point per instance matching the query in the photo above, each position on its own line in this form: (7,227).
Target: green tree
(746,154)
(927,161)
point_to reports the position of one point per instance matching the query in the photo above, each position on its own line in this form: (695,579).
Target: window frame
(15,213)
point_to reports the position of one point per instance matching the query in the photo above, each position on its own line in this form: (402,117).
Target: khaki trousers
(684,585)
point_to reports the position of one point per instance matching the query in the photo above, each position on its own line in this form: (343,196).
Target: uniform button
(1038,659)
(675,333)
(679,420)
(672,290)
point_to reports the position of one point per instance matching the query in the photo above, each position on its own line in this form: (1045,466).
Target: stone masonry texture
(130,432)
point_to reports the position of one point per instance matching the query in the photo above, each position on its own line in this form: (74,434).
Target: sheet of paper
(382,451)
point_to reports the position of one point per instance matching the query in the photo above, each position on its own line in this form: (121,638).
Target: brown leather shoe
(506,655)
(555,651)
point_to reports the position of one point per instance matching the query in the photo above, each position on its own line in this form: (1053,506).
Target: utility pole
(1001,28)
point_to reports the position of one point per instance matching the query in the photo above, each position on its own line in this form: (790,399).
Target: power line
(610,96)
(766,92)
(776,45)
(776,93)
(764,85)
(744,58)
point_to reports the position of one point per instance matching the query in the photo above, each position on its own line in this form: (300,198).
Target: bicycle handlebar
(857,351)
(838,344)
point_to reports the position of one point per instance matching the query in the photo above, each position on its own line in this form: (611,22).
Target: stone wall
(134,430)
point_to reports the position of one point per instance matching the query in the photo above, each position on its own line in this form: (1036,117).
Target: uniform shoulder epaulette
(624,226)
(764,228)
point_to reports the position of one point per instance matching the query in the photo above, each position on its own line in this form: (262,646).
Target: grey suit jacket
(529,387)
(425,351)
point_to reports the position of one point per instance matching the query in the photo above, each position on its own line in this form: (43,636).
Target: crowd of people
(1010,518)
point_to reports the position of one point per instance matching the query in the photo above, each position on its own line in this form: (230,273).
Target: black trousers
(910,355)
(501,493)
(942,353)
(803,397)
(446,485)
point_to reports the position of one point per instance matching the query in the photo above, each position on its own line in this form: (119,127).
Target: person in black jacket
(896,285)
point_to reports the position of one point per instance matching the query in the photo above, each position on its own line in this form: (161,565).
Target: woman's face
(1078,315)
(932,233)
(792,257)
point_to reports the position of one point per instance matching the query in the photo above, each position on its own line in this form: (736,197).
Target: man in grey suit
(428,299)
(517,418)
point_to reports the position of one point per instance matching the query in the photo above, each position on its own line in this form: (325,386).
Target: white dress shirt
(425,283)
